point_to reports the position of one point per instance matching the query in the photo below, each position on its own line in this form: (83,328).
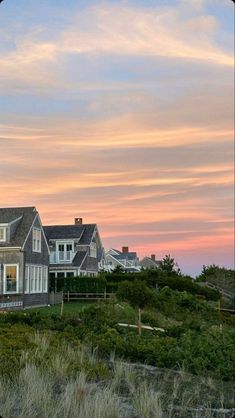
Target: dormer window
(93,251)
(36,240)
(2,234)
(65,251)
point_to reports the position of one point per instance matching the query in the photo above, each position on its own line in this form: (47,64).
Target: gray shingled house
(125,259)
(24,259)
(75,250)
(149,263)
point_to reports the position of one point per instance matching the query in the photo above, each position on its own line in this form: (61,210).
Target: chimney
(78,221)
(125,250)
(153,257)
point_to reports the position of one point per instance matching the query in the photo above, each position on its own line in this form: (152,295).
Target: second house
(75,250)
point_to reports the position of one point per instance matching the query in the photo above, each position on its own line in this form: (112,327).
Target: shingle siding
(10,257)
(20,234)
(13,228)
(8,215)
(36,299)
(82,235)
(32,257)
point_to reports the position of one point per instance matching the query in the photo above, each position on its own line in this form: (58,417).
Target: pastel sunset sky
(121,112)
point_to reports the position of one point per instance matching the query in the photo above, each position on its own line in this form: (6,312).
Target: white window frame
(5,281)
(4,233)
(38,279)
(32,278)
(44,279)
(93,250)
(65,253)
(26,280)
(37,240)
(35,279)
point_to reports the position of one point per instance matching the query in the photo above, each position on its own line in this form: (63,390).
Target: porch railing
(11,301)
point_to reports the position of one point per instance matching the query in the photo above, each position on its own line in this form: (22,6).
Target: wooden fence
(55,298)
(69,296)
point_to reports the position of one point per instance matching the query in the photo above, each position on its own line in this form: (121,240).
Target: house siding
(35,299)
(32,257)
(10,257)
(21,222)
(36,258)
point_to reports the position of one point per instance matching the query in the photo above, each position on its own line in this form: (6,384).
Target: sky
(121,112)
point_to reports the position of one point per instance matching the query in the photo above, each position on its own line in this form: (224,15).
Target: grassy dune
(66,380)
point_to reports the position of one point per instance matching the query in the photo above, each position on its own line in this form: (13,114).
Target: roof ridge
(18,207)
(75,226)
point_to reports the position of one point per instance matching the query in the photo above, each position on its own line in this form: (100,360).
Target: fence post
(62,306)
(68,295)
(139,321)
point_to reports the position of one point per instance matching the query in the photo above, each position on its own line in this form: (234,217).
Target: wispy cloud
(123,114)
(107,30)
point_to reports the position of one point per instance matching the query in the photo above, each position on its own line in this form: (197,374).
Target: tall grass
(70,382)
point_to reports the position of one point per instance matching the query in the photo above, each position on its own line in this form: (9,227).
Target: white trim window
(44,279)
(65,251)
(38,279)
(26,281)
(2,234)
(93,250)
(11,278)
(32,279)
(37,240)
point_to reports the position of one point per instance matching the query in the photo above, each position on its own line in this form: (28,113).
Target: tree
(138,295)
(169,265)
(119,270)
(221,277)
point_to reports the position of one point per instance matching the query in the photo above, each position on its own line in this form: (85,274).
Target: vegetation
(168,274)
(66,380)
(197,337)
(138,295)
(68,308)
(159,278)
(169,265)
(219,276)
(60,364)
(78,284)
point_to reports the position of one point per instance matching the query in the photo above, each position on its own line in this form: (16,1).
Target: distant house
(125,259)
(150,262)
(24,259)
(75,250)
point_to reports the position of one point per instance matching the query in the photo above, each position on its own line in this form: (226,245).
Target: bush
(78,284)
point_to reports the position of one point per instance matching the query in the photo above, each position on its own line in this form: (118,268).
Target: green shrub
(78,284)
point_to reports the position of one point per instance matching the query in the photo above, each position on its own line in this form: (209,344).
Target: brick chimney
(153,257)
(78,221)
(125,250)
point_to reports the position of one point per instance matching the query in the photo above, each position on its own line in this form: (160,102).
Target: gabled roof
(150,261)
(113,251)
(64,231)
(79,258)
(89,263)
(100,254)
(125,256)
(24,217)
(82,233)
(116,251)
(87,234)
